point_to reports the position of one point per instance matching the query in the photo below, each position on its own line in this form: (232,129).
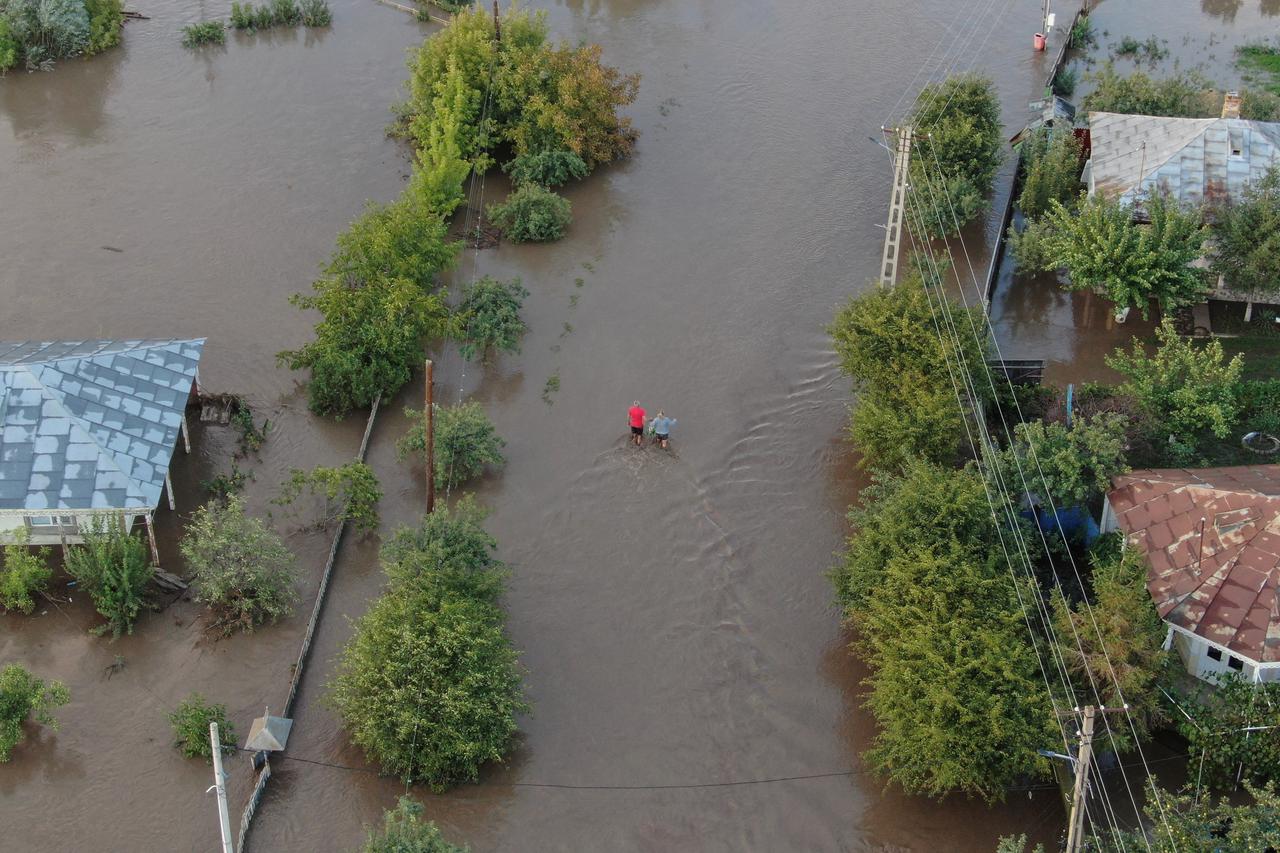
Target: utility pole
(1083,762)
(220,784)
(897,206)
(430,428)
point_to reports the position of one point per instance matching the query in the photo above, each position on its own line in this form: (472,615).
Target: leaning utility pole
(430,437)
(897,207)
(220,784)
(1084,759)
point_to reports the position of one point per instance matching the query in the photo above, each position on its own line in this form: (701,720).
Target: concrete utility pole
(430,429)
(897,206)
(1084,759)
(220,784)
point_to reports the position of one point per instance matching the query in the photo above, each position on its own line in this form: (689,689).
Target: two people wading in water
(659,427)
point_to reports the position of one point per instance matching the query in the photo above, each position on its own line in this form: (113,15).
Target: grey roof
(1192,159)
(91,424)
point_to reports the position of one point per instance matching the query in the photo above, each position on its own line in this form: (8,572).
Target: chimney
(1231,105)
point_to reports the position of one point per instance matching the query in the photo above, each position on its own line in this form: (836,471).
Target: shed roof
(90,424)
(1191,159)
(1212,540)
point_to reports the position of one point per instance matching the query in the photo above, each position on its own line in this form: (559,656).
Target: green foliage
(920,421)
(532,214)
(251,435)
(1259,105)
(1246,237)
(242,569)
(1016,843)
(1150,50)
(8,46)
(959,149)
(1184,388)
(24,574)
(404,831)
(1032,248)
(1104,250)
(1051,171)
(429,685)
(402,240)
(1220,716)
(489,317)
(285,13)
(1075,465)
(1064,82)
(350,492)
(280,13)
(465,443)
(205,32)
(114,568)
(106,19)
(1184,94)
(224,485)
(23,697)
(44,30)
(546,168)
(316,13)
(1190,823)
(190,722)
(1082,34)
(1120,641)
(1260,406)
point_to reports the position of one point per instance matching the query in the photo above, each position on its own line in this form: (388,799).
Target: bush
(546,168)
(1221,717)
(1051,171)
(465,443)
(449,553)
(1184,94)
(1260,406)
(106,19)
(205,32)
(489,317)
(1246,237)
(403,831)
(23,697)
(1074,465)
(242,569)
(316,13)
(1032,248)
(113,567)
(350,492)
(242,16)
(24,574)
(285,13)
(1187,822)
(8,45)
(532,214)
(47,29)
(190,722)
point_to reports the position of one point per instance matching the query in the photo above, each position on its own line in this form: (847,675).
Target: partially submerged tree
(24,575)
(1051,162)
(24,697)
(113,567)
(350,493)
(404,831)
(465,443)
(489,317)
(1185,94)
(532,214)
(190,722)
(243,572)
(1231,731)
(1187,822)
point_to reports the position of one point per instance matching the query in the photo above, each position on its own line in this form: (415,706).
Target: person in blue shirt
(661,427)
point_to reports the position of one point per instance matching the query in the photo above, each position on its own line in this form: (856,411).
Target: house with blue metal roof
(87,430)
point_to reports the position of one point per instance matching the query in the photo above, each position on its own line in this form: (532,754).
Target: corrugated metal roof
(91,424)
(1212,540)
(1192,159)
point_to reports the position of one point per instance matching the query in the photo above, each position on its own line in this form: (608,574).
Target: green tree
(106,19)
(1186,94)
(242,569)
(546,168)
(1189,823)
(1105,250)
(1017,843)
(1051,170)
(404,831)
(1233,731)
(8,45)
(489,317)
(350,493)
(1116,644)
(920,419)
(532,214)
(449,553)
(23,697)
(113,567)
(24,574)
(190,722)
(1246,237)
(1075,465)
(1184,388)
(465,443)
(401,240)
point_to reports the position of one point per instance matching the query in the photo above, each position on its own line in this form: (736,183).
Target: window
(1215,654)
(1236,664)
(53,521)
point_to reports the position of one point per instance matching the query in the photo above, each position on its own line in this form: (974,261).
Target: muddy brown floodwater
(672,608)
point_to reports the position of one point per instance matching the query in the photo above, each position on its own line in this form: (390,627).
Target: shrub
(242,569)
(1218,733)
(403,831)
(1246,237)
(1064,82)
(532,214)
(1259,105)
(546,168)
(190,721)
(205,32)
(350,492)
(106,19)
(8,45)
(23,697)
(1032,248)
(47,29)
(24,574)
(113,567)
(285,13)
(1192,823)
(242,16)
(465,443)
(489,317)
(1074,465)
(1082,34)
(1184,94)
(316,13)
(429,686)
(1260,406)
(263,19)
(449,553)
(1051,170)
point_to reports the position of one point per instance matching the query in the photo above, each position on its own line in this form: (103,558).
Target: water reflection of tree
(1224,9)
(69,101)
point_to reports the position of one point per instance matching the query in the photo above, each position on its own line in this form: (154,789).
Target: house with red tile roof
(1212,541)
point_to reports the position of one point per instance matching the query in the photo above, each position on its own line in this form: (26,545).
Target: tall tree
(1246,237)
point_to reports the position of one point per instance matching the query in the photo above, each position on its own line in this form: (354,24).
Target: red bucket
(1039,41)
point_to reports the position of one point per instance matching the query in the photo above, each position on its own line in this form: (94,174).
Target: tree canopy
(1187,822)
(1074,464)
(489,317)
(1051,162)
(1246,237)
(23,697)
(465,443)
(404,831)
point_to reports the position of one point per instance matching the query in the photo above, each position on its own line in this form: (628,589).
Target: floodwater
(672,608)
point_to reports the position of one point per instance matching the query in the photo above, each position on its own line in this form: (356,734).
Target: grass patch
(205,32)
(1264,59)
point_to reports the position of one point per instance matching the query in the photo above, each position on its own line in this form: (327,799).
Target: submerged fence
(260,758)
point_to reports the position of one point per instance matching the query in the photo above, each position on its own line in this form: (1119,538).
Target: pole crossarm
(897,207)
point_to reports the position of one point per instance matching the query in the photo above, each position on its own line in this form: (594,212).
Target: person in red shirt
(635,415)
